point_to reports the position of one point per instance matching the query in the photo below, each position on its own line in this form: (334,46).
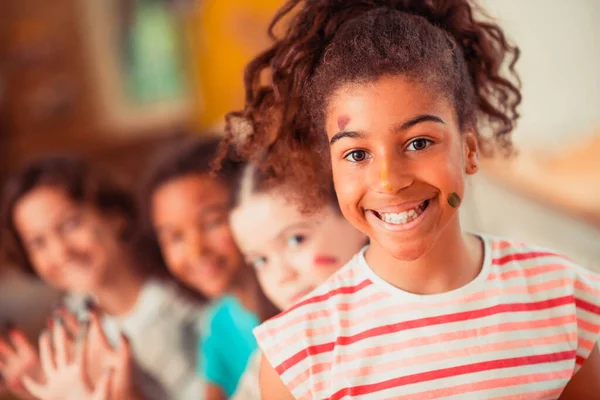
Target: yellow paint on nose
(385,179)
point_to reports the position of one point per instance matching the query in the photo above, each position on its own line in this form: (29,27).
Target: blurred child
(292,252)
(73,227)
(187,210)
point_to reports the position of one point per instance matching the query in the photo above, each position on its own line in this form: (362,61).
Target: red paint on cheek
(322,260)
(342,122)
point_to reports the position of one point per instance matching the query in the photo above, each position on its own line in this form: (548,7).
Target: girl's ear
(471,154)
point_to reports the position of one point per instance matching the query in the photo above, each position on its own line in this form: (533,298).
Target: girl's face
(293,253)
(190,216)
(397,154)
(71,246)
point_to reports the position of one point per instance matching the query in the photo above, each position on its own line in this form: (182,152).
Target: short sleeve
(587,301)
(211,362)
(294,371)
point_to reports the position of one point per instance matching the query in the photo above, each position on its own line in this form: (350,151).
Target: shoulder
(161,305)
(542,271)
(510,255)
(511,258)
(310,326)
(219,316)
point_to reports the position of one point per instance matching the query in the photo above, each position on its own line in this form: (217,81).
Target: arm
(271,386)
(585,385)
(214,392)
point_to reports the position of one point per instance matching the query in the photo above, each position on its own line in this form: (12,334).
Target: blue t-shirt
(227,343)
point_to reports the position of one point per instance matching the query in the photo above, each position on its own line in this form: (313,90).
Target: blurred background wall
(113,79)
(549,194)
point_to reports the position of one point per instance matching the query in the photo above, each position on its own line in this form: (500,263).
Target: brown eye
(419,144)
(356,156)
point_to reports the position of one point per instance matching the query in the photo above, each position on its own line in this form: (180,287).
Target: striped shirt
(521,329)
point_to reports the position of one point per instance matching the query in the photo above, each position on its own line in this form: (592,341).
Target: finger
(71,322)
(98,332)
(124,346)
(6,350)
(122,379)
(33,388)
(102,389)
(20,342)
(81,341)
(46,354)
(59,339)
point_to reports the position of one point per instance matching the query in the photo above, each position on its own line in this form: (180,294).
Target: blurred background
(114,79)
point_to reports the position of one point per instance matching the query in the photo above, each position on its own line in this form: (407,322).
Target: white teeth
(403,217)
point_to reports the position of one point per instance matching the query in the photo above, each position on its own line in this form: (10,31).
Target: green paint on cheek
(454,200)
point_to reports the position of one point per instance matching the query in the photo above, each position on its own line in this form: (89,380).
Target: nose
(58,250)
(389,174)
(286,272)
(196,246)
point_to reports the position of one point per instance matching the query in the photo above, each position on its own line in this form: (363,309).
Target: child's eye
(295,241)
(213,221)
(419,144)
(356,156)
(258,263)
(70,224)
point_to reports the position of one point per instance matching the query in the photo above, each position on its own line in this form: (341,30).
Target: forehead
(389,99)
(41,207)
(261,217)
(192,192)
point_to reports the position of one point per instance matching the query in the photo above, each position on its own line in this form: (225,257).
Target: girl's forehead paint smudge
(342,122)
(454,200)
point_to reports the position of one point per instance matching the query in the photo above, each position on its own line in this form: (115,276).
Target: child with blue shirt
(188,209)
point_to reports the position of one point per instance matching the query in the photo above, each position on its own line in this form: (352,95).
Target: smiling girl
(403,97)
(187,213)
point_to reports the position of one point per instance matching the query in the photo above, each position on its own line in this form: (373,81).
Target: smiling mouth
(402,217)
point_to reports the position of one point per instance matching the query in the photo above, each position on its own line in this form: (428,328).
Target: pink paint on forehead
(342,122)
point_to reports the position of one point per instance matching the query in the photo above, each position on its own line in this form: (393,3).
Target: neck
(245,288)
(118,294)
(454,260)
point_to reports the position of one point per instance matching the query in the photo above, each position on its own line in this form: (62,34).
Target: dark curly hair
(329,43)
(81,182)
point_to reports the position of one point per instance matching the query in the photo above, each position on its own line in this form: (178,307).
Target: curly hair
(329,43)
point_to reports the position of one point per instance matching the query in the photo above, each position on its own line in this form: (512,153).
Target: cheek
(89,237)
(349,194)
(318,265)
(45,269)
(443,171)
(223,240)
(174,256)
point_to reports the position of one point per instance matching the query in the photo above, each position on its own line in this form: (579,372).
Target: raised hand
(100,355)
(18,358)
(64,371)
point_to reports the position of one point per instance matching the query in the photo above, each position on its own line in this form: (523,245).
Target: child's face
(293,253)
(397,154)
(190,216)
(70,245)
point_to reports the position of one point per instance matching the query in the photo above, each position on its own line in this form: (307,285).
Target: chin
(406,251)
